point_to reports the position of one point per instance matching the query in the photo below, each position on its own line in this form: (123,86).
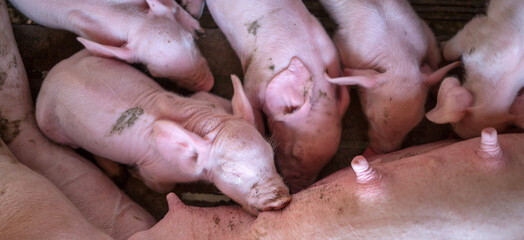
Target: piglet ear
(122,53)
(452,102)
(433,78)
(194,7)
(367,78)
(288,91)
(241,105)
(184,149)
(161,7)
(187,21)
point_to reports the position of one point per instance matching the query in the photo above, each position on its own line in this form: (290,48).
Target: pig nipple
(367,177)
(365,174)
(489,149)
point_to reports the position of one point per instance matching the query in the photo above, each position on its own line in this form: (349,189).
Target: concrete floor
(41,48)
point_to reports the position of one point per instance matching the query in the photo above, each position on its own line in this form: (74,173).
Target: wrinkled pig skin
(31,207)
(114,111)
(492,49)
(285,54)
(93,193)
(465,190)
(391,54)
(157,33)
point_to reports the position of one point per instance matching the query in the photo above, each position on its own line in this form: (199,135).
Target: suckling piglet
(391,54)
(492,49)
(157,33)
(285,54)
(115,111)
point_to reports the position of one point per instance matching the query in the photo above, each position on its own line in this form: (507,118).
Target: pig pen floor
(41,48)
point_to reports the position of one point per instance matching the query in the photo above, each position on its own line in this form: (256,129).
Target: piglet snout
(268,196)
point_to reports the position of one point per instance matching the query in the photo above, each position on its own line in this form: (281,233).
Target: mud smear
(322,94)
(231,225)
(252,29)
(9,129)
(216,219)
(126,120)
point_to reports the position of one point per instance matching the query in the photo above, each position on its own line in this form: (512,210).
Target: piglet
(96,197)
(115,111)
(285,54)
(391,54)
(157,33)
(492,49)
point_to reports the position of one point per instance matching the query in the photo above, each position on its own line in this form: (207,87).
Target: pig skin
(392,55)
(492,49)
(464,190)
(157,33)
(31,207)
(97,198)
(285,54)
(114,111)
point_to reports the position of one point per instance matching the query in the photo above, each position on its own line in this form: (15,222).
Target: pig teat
(489,149)
(365,173)
(368,179)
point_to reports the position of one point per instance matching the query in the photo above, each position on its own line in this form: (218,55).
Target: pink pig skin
(95,195)
(392,55)
(31,207)
(492,49)
(156,33)
(466,190)
(285,54)
(115,111)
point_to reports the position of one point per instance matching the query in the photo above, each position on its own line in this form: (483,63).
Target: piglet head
(392,101)
(304,115)
(164,43)
(243,166)
(234,156)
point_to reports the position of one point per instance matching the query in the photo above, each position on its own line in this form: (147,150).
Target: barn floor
(41,48)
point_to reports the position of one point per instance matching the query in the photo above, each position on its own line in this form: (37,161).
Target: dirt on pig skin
(9,130)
